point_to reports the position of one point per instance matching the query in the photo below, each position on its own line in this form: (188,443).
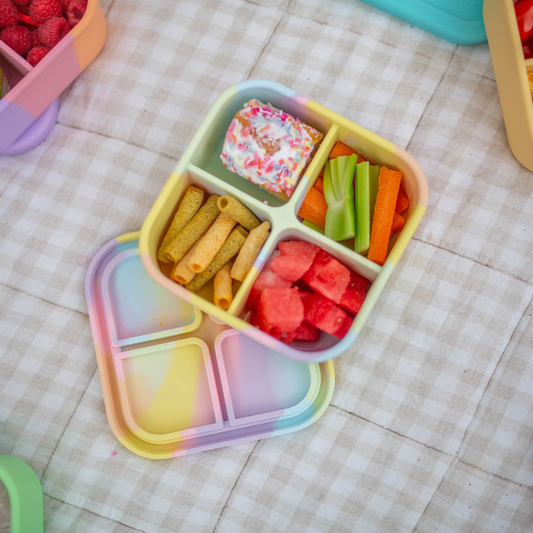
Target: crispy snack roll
(234,209)
(181,271)
(194,229)
(235,286)
(230,248)
(250,251)
(211,243)
(223,295)
(187,209)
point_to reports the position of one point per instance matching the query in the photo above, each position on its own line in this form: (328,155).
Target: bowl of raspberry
(44,46)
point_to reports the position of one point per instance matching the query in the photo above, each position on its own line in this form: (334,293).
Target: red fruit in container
(355,293)
(18,38)
(20,3)
(75,11)
(327,276)
(528,49)
(43,10)
(524,18)
(9,14)
(35,38)
(36,54)
(326,316)
(266,279)
(295,260)
(280,308)
(52,31)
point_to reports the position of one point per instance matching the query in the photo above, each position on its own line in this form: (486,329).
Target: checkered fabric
(430,427)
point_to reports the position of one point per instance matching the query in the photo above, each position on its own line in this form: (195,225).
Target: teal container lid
(25,495)
(457,21)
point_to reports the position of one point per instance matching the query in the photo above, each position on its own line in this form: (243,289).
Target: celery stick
(366,184)
(374,180)
(338,191)
(313,226)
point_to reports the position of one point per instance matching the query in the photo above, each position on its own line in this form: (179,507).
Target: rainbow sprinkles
(269,147)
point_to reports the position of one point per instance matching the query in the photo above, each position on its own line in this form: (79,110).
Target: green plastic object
(25,496)
(366,190)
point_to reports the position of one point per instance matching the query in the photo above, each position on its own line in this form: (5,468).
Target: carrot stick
(398,222)
(341,149)
(319,184)
(388,187)
(314,208)
(402,203)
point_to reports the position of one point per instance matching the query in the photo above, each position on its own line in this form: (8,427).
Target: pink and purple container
(29,110)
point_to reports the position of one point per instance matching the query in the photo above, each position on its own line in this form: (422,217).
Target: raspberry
(24,9)
(35,39)
(36,54)
(8,14)
(52,31)
(75,11)
(22,2)
(42,10)
(17,38)
(64,6)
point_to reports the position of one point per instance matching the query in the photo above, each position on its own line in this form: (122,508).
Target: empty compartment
(259,384)
(137,309)
(168,392)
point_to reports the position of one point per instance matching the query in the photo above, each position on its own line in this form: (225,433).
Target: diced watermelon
(306,332)
(266,279)
(328,276)
(355,293)
(281,308)
(326,316)
(295,260)
(298,248)
(344,327)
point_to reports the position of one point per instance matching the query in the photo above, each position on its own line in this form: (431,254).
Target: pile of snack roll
(365,201)
(218,238)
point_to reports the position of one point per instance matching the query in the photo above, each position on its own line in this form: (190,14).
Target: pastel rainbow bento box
(28,111)
(200,165)
(176,381)
(510,69)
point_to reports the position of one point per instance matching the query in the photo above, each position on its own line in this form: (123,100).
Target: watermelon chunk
(280,308)
(306,332)
(328,276)
(355,293)
(266,279)
(326,316)
(295,260)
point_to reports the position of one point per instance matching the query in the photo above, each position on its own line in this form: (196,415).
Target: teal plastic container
(457,21)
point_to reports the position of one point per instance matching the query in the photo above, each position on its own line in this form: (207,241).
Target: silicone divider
(168,391)
(259,384)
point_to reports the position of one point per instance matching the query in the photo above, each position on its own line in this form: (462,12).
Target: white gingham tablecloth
(430,428)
